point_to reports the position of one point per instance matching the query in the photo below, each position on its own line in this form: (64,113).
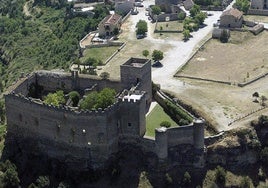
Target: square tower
(136,72)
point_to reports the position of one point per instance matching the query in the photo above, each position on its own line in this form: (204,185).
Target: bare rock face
(235,149)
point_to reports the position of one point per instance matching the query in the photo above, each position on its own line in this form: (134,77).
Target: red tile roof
(111,19)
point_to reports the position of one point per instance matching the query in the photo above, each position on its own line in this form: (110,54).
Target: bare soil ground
(256,18)
(220,104)
(244,57)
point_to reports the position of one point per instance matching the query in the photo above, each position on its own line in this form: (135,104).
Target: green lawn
(102,53)
(153,120)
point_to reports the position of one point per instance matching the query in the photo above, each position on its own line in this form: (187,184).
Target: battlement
(136,62)
(61,108)
(93,133)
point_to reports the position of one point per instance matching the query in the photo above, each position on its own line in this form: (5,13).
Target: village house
(110,25)
(231,18)
(258,4)
(124,6)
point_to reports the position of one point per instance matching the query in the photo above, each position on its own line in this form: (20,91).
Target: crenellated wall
(89,138)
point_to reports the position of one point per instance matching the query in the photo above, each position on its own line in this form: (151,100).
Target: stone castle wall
(89,138)
(169,137)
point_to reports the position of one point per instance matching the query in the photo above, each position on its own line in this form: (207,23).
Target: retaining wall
(258,12)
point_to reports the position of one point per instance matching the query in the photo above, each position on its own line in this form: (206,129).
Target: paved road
(180,52)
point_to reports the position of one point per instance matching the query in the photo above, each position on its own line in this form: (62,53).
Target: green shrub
(55,99)
(75,97)
(181,15)
(166,124)
(176,111)
(186,181)
(92,62)
(10,175)
(96,100)
(168,179)
(264,156)
(220,175)
(245,182)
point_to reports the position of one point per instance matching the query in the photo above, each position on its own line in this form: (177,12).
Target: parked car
(140,36)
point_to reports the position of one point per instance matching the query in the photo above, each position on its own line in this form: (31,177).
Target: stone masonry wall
(91,131)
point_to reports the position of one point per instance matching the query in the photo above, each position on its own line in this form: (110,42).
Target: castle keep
(87,139)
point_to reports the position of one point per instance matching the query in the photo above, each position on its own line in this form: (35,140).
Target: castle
(87,139)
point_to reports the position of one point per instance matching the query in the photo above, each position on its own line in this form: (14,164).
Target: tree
(263,99)
(145,53)
(95,100)
(156,9)
(75,97)
(2,111)
(200,17)
(142,27)
(55,99)
(194,10)
(256,94)
(42,182)
(10,176)
(105,75)
(157,55)
(242,5)
(224,36)
(166,124)
(220,175)
(92,62)
(264,156)
(89,101)
(245,182)
(186,179)
(116,31)
(181,15)
(186,34)
(106,98)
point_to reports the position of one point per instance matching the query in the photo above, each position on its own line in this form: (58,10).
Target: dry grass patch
(256,18)
(169,26)
(244,57)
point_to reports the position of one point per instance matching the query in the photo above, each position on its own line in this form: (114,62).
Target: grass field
(170,26)
(99,53)
(153,120)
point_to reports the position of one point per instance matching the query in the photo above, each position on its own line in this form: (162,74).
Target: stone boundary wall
(160,97)
(212,8)
(246,115)
(116,52)
(258,12)
(203,79)
(126,17)
(166,31)
(80,42)
(249,23)
(211,139)
(162,17)
(253,80)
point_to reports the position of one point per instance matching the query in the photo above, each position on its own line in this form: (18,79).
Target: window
(129,124)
